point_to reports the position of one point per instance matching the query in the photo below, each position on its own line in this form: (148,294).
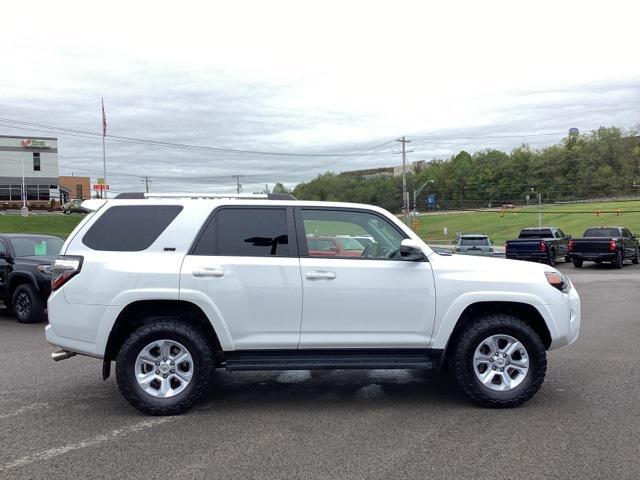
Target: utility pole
(405,194)
(238,186)
(147,182)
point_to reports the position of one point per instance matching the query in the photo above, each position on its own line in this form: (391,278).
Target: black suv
(25,279)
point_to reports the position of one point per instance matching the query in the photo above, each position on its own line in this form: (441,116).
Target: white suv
(173,288)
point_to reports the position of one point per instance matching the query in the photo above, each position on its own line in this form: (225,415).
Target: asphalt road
(60,421)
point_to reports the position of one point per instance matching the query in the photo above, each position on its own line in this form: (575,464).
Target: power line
(144,141)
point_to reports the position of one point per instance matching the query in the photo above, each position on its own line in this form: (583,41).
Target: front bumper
(567,325)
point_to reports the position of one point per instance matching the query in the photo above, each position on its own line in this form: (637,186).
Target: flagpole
(104,157)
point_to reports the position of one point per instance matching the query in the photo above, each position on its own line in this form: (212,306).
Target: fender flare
(446,323)
(14,278)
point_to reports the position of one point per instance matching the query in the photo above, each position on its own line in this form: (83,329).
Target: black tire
(636,259)
(26,304)
(598,262)
(464,350)
(157,328)
(551,259)
(619,261)
(578,263)
(567,258)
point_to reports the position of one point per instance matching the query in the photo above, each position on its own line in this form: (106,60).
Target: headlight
(45,269)
(558,280)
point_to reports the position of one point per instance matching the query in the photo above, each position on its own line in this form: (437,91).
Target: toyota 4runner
(172,287)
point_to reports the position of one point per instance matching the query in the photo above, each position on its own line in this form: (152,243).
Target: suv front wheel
(165,366)
(499,361)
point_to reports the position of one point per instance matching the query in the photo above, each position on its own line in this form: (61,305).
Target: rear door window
(130,228)
(246,232)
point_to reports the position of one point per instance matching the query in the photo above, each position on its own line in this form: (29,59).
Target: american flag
(104,121)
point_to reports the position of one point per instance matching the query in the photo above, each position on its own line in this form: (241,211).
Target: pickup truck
(604,244)
(25,273)
(539,244)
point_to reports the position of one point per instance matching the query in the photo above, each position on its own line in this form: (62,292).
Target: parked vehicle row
(614,245)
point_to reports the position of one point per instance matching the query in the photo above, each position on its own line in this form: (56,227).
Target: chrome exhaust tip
(61,355)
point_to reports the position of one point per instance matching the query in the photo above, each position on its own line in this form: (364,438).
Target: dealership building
(36,159)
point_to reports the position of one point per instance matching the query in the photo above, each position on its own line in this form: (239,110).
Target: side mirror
(5,256)
(410,250)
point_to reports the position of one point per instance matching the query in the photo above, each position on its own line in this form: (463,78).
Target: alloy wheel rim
(23,304)
(501,362)
(164,368)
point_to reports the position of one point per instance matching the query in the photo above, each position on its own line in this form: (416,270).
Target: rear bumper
(70,344)
(533,256)
(591,257)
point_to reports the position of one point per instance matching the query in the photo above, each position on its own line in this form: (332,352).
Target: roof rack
(245,196)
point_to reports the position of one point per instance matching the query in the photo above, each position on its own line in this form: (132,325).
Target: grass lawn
(54,224)
(578,218)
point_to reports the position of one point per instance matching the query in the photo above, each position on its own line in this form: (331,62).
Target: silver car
(474,244)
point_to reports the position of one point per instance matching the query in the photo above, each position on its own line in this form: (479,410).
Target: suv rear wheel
(27,305)
(165,366)
(499,361)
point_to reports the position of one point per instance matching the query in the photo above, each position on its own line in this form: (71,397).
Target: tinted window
(130,228)
(246,232)
(338,225)
(536,234)
(602,232)
(474,241)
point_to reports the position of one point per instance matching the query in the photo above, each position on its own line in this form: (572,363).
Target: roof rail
(254,196)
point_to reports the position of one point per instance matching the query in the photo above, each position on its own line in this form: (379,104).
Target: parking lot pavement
(60,421)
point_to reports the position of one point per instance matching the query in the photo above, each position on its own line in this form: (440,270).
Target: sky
(319,86)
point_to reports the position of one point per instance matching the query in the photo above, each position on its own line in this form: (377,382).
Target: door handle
(208,272)
(320,275)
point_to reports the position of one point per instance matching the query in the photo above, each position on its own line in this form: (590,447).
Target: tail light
(543,246)
(63,269)
(612,246)
(571,245)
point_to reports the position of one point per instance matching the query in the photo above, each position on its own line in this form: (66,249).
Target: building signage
(34,143)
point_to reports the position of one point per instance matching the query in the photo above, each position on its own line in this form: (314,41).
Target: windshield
(36,246)
(474,242)
(602,232)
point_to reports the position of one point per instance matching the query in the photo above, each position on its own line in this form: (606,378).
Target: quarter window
(130,228)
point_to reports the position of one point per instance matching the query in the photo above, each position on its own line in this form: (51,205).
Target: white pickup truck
(172,287)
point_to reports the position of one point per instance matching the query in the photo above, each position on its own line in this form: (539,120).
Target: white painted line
(91,442)
(26,409)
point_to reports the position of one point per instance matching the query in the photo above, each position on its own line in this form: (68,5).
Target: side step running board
(329,359)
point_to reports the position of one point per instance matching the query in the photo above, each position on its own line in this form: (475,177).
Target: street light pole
(418,192)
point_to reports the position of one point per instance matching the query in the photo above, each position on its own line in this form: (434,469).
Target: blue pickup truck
(545,245)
